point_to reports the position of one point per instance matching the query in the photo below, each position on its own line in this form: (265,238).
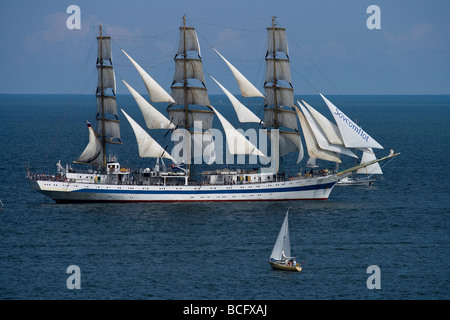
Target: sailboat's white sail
(246,87)
(282,248)
(313,147)
(244,114)
(321,137)
(153,118)
(92,154)
(373,168)
(148,147)
(236,141)
(353,135)
(155,91)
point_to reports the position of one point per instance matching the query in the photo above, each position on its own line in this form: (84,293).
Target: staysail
(373,168)
(246,87)
(353,135)
(153,118)
(155,91)
(244,114)
(321,137)
(236,141)
(314,150)
(148,147)
(282,247)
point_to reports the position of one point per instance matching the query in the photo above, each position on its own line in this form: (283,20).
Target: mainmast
(189,90)
(279,112)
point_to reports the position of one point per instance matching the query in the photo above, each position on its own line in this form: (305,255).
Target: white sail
(236,141)
(109,78)
(153,118)
(330,129)
(191,68)
(246,87)
(289,142)
(194,95)
(282,247)
(148,147)
(155,91)
(191,44)
(282,67)
(373,168)
(109,105)
(320,136)
(244,114)
(280,44)
(92,150)
(313,147)
(104,43)
(353,135)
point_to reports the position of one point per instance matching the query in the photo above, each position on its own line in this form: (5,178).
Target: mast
(102,97)
(186,106)
(108,130)
(189,91)
(275,82)
(279,112)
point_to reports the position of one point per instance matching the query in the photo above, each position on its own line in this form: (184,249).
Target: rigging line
(71,101)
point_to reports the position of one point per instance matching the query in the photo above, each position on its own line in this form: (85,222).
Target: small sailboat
(281,259)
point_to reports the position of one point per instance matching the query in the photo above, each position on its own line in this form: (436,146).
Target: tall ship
(189,119)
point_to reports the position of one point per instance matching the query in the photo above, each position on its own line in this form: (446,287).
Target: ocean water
(215,251)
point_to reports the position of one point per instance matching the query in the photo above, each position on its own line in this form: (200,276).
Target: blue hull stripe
(203,191)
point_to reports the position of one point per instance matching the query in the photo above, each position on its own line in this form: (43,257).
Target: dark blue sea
(220,251)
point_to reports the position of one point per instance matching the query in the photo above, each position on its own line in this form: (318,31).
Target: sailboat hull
(301,189)
(280,266)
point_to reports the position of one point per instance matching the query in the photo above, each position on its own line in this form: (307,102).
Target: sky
(331,48)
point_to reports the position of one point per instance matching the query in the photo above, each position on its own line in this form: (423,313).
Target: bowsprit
(247,309)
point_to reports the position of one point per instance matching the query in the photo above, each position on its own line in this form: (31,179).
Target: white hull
(299,189)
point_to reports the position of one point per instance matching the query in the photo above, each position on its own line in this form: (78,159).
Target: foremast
(108,130)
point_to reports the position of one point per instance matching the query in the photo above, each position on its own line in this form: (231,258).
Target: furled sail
(155,91)
(246,87)
(244,114)
(92,154)
(353,135)
(313,147)
(148,147)
(153,118)
(236,142)
(282,247)
(320,136)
